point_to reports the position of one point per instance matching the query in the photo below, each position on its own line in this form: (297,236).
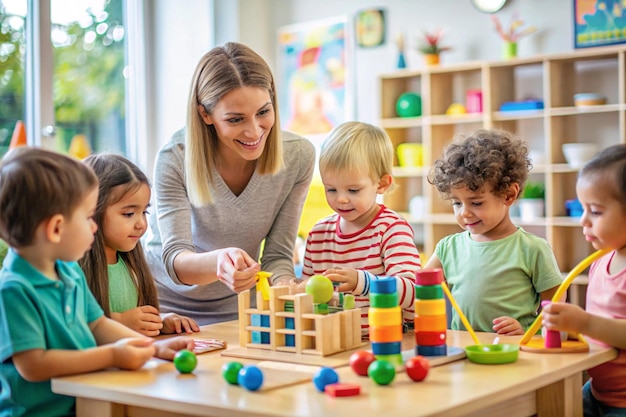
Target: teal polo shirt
(39,313)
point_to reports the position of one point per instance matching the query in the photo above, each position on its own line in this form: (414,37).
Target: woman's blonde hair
(221,70)
(358,146)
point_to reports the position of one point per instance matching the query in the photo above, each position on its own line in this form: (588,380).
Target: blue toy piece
(260,320)
(437,350)
(324,377)
(386,348)
(385,285)
(250,377)
(573,208)
(401,61)
(522,105)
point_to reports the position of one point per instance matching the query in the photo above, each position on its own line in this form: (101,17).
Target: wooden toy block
(385,317)
(386,348)
(429,276)
(383,334)
(320,308)
(261,303)
(245,337)
(553,339)
(384,286)
(303,304)
(383,300)
(428,292)
(430,307)
(430,338)
(263,285)
(350,329)
(430,323)
(439,350)
(339,389)
(348,301)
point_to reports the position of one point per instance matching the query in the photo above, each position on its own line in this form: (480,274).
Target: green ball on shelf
(409,105)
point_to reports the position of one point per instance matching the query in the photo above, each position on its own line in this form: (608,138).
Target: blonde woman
(226,183)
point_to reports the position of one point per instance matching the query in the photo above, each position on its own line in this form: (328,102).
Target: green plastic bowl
(492,354)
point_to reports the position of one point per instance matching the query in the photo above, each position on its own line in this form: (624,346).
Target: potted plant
(531,203)
(512,34)
(431,47)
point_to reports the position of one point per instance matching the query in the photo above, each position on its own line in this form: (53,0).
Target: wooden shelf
(551,78)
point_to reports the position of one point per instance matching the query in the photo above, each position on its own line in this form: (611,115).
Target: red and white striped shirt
(385,247)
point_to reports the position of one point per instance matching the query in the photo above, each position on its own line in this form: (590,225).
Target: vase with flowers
(431,47)
(512,34)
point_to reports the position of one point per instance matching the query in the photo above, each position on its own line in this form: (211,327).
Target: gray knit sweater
(269,208)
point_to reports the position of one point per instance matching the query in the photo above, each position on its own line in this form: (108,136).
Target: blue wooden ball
(250,377)
(324,377)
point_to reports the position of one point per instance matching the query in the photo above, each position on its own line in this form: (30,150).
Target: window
(78,86)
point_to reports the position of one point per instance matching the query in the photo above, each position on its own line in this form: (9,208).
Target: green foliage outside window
(89,82)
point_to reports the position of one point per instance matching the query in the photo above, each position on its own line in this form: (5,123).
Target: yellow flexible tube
(460,312)
(562,288)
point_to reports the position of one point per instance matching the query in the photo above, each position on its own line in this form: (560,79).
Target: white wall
(177,37)
(469,32)
(182,30)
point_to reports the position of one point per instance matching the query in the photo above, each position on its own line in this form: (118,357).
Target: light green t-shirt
(122,288)
(499,278)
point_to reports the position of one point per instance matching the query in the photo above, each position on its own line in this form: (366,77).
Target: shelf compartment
(552,78)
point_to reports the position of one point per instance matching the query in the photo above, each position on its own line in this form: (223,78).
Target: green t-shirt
(122,288)
(499,278)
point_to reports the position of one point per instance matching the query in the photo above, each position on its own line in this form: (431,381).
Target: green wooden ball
(409,105)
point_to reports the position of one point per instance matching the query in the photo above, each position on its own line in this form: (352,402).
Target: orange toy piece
(19,135)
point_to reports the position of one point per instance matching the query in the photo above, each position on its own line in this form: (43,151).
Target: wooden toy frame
(314,334)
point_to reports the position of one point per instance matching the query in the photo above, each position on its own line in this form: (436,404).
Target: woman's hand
(507,326)
(236,269)
(173,323)
(145,320)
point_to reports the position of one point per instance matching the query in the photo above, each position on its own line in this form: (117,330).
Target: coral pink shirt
(606,296)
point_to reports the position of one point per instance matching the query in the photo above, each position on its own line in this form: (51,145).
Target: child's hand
(145,320)
(565,317)
(296,286)
(173,323)
(236,269)
(348,278)
(132,352)
(507,326)
(167,348)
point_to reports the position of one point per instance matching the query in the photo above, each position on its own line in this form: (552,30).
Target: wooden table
(546,384)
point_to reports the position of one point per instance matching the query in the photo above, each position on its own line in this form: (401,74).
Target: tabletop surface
(456,388)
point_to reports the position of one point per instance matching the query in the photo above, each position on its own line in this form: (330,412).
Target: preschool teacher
(227,182)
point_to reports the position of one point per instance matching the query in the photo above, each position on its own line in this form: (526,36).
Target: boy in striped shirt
(363,240)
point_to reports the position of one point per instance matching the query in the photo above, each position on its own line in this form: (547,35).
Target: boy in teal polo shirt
(50,323)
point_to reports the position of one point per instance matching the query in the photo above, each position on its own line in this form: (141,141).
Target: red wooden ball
(417,368)
(360,361)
